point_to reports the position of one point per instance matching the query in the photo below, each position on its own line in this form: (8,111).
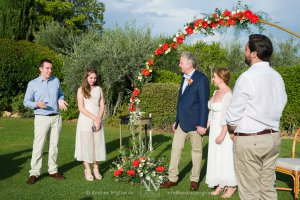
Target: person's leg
(268,176)
(41,128)
(248,166)
(177,146)
(87,172)
(196,142)
(56,124)
(96,171)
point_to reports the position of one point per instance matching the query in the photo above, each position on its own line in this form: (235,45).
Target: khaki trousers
(254,161)
(42,125)
(178,143)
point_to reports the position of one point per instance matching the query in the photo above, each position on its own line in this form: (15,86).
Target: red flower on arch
(254,19)
(226,13)
(198,22)
(248,14)
(165,46)
(150,62)
(189,30)
(146,72)
(180,39)
(131,107)
(135,92)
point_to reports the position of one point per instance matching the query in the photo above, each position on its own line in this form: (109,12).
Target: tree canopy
(19,19)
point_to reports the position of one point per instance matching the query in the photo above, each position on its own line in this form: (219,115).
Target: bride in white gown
(220,167)
(90,143)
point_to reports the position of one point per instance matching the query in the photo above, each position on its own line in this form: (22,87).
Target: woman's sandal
(217,191)
(229,192)
(88,175)
(97,175)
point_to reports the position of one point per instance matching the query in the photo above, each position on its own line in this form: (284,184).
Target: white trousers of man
(45,127)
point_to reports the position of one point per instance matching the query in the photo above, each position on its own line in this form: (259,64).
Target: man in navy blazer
(191,119)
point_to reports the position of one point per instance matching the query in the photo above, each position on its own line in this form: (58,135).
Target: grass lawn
(15,154)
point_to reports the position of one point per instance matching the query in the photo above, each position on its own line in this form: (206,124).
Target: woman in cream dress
(90,143)
(220,167)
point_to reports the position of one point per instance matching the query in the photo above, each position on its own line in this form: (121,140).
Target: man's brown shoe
(168,184)
(57,176)
(31,180)
(194,186)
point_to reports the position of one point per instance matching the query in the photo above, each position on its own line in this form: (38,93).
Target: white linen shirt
(258,100)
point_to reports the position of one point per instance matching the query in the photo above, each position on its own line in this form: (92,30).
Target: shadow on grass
(111,147)
(187,169)
(287,179)
(11,163)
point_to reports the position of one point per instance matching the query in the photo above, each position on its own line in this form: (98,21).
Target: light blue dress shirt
(49,91)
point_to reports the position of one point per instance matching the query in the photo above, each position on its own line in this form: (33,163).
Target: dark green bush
(291,114)
(18,107)
(164,76)
(160,99)
(72,111)
(18,65)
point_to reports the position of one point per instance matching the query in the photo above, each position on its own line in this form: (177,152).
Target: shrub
(164,76)
(72,111)
(160,99)
(18,107)
(291,118)
(18,65)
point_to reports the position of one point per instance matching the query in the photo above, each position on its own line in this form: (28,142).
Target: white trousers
(45,127)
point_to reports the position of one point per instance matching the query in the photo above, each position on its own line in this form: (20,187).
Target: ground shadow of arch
(11,163)
(187,169)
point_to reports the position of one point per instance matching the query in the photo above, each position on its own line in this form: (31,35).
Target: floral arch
(240,18)
(127,166)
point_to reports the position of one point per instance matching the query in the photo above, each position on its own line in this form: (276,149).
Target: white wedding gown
(90,146)
(220,167)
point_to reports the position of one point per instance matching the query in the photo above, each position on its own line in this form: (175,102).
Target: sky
(166,17)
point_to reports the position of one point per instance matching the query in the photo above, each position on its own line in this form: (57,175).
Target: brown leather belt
(266,131)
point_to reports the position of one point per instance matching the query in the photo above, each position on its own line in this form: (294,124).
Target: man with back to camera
(253,117)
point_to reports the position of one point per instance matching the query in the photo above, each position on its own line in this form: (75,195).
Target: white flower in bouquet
(160,178)
(141,174)
(148,178)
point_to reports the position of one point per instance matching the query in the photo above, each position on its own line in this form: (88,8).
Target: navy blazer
(192,108)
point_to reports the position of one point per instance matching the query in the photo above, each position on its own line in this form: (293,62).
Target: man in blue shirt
(45,97)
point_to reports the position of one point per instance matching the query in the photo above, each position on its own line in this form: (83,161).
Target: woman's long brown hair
(86,88)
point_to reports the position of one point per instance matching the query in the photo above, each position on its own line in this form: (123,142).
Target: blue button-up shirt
(49,91)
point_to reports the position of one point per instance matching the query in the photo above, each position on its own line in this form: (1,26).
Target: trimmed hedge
(160,99)
(18,65)
(164,76)
(291,114)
